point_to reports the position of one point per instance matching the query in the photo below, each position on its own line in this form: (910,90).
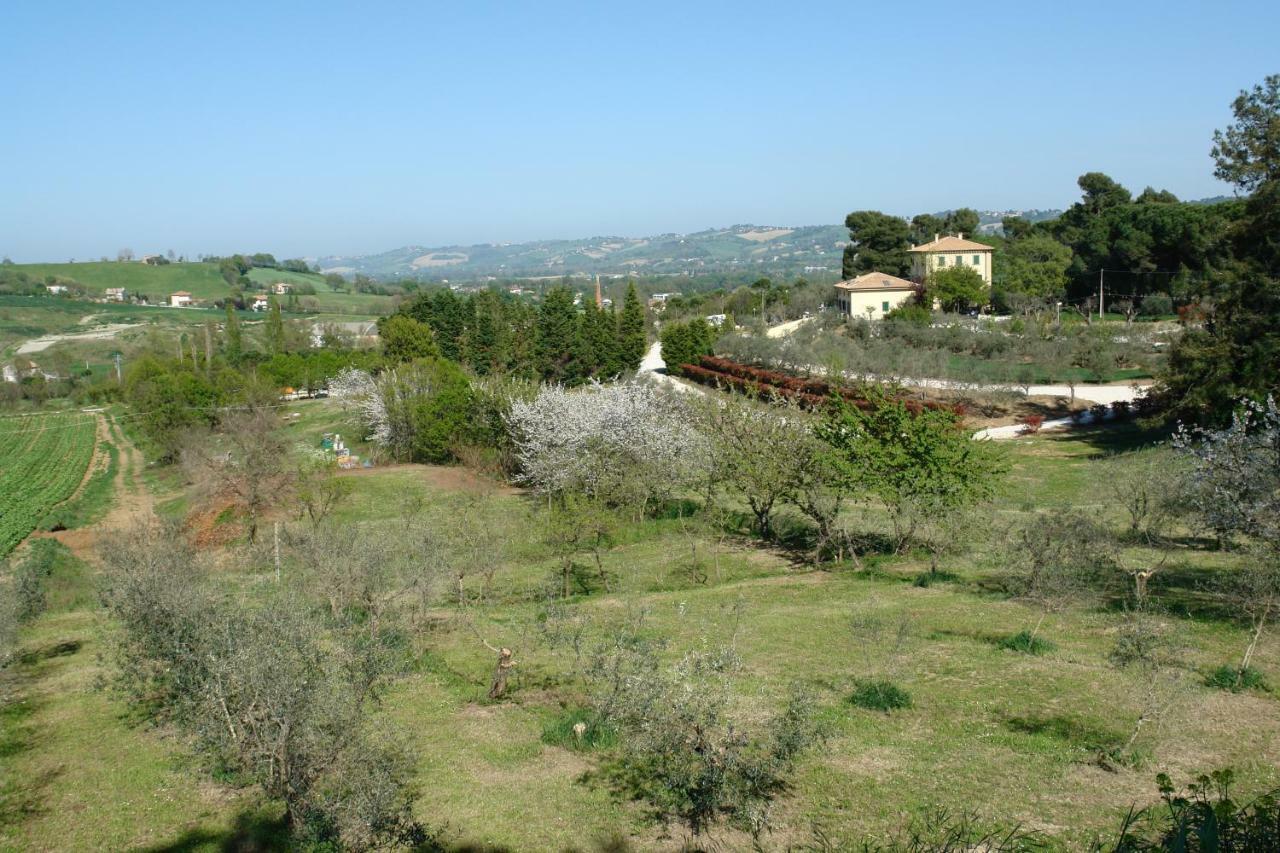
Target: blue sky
(342,128)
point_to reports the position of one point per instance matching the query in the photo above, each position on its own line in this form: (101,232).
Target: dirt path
(130,503)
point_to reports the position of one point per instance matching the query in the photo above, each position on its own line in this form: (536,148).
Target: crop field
(44,462)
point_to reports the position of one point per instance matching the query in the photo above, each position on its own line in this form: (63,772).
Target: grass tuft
(1236,680)
(1024,642)
(880,695)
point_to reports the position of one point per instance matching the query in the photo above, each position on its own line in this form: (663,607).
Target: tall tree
(406,339)
(1035,266)
(235,343)
(1247,153)
(877,241)
(275,328)
(632,340)
(1237,354)
(557,336)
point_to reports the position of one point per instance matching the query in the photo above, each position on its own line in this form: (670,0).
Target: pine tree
(235,345)
(631,334)
(604,343)
(557,333)
(275,328)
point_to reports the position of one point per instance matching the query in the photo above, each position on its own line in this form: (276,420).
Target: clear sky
(317,128)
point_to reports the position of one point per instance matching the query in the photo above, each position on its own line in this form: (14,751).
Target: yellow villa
(874,294)
(950,251)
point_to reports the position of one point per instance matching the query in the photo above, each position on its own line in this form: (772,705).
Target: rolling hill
(742,247)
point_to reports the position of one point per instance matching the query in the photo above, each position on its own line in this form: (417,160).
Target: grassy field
(1011,736)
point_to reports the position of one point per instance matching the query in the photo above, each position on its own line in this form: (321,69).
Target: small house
(260,303)
(56,288)
(115,294)
(180,299)
(873,295)
(280,288)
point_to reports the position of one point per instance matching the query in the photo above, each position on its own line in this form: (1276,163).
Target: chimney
(936,237)
(599,295)
(960,234)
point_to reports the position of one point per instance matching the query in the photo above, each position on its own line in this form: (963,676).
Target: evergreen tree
(557,336)
(235,344)
(631,334)
(275,328)
(604,342)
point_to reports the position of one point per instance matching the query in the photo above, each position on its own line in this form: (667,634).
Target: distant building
(56,288)
(716,319)
(280,288)
(260,303)
(180,299)
(874,294)
(115,294)
(954,251)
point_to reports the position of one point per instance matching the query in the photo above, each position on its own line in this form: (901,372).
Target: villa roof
(951,243)
(876,281)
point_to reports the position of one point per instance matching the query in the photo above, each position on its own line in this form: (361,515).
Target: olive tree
(1234,488)
(265,691)
(1053,561)
(685,754)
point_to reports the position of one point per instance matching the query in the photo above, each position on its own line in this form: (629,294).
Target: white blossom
(594,438)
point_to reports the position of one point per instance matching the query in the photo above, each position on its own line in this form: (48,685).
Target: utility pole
(1101,273)
(119,375)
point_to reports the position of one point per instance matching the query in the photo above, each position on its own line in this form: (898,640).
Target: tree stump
(499,686)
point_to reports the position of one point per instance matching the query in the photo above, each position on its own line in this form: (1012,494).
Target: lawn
(1011,736)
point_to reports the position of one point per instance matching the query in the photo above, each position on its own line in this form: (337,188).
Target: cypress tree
(235,345)
(275,328)
(557,334)
(631,333)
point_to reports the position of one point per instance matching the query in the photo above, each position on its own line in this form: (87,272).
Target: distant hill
(202,280)
(769,249)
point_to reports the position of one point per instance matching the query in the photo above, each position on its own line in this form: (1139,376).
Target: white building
(260,303)
(115,294)
(56,288)
(180,299)
(280,288)
(874,294)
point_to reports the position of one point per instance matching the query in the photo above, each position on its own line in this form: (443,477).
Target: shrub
(880,695)
(912,314)
(1027,643)
(1099,412)
(1236,680)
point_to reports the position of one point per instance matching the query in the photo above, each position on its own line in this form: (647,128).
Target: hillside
(202,280)
(770,249)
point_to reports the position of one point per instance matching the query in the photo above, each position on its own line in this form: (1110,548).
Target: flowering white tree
(622,442)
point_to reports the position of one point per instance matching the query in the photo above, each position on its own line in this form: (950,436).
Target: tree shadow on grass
(260,832)
(1113,438)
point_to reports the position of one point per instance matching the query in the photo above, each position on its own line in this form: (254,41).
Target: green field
(203,281)
(1010,736)
(44,461)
